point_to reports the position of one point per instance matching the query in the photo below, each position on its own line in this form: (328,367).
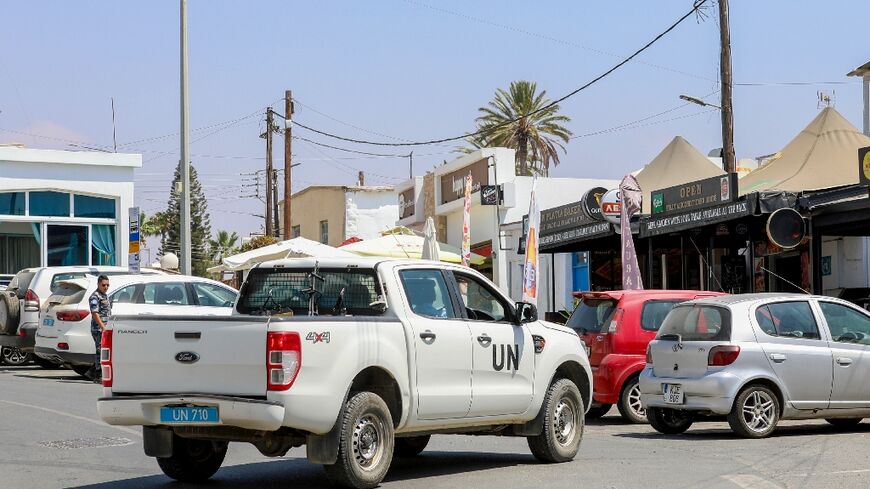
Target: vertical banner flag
(466,224)
(530,264)
(631,198)
(133,252)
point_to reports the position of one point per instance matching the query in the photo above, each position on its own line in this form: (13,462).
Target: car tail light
(616,320)
(722,355)
(63,346)
(106,357)
(648,355)
(31,301)
(74,316)
(283,359)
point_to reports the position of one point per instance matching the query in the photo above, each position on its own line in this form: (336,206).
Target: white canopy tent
(291,248)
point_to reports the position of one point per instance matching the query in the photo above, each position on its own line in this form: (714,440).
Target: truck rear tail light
(722,355)
(283,359)
(74,316)
(648,355)
(31,301)
(63,346)
(616,320)
(106,357)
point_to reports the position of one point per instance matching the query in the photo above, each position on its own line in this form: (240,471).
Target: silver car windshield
(698,323)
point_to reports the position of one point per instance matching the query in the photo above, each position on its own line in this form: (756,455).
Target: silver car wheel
(368,436)
(565,421)
(759,411)
(14,356)
(634,401)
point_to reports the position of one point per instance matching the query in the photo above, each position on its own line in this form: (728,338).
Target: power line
(349,150)
(695,7)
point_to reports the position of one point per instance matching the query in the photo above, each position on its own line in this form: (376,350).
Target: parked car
(759,358)
(20,305)
(616,327)
(64,335)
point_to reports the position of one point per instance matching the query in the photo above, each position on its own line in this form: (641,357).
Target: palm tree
(525,121)
(157,225)
(224,245)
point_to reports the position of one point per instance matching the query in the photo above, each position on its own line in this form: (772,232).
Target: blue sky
(387,70)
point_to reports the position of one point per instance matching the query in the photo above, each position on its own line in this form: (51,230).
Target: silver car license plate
(673,393)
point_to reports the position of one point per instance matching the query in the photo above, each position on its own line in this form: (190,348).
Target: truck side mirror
(526,312)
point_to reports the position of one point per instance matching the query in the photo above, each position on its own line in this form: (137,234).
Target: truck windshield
(281,290)
(591,315)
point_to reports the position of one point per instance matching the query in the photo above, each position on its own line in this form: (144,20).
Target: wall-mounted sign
(864,165)
(712,215)
(490,195)
(563,217)
(453,183)
(407,203)
(611,206)
(133,252)
(592,203)
(579,233)
(695,195)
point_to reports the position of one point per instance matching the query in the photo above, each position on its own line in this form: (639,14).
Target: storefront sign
(864,165)
(663,225)
(588,231)
(695,195)
(611,207)
(563,217)
(453,183)
(133,252)
(592,203)
(407,204)
(490,195)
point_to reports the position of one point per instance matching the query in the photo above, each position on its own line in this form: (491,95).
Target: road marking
(80,418)
(836,472)
(747,481)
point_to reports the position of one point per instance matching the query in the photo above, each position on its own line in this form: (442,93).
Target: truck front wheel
(563,424)
(366,443)
(193,460)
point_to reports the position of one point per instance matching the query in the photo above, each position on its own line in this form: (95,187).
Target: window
(847,325)
(481,304)
(214,295)
(102,244)
(67,245)
(124,295)
(698,323)
(324,232)
(277,290)
(427,293)
(49,204)
(654,312)
(295,231)
(591,315)
(165,293)
(87,206)
(788,319)
(62,277)
(12,203)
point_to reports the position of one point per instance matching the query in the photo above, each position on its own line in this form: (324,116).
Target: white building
(497,229)
(64,207)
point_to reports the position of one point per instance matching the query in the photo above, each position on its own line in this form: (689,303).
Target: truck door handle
(484,338)
(844,361)
(188,335)
(427,336)
(777,357)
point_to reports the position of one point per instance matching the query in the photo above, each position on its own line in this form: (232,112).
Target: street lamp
(696,100)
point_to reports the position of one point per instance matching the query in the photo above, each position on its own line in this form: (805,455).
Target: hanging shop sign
(407,203)
(592,203)
(453,183)
(611,206)
(864,165)
(695,195)
(563,217)
(679,222)
(490,195)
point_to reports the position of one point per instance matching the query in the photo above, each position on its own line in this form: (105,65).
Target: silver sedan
(759,358)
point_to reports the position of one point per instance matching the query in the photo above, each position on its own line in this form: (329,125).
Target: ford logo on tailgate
(187,357)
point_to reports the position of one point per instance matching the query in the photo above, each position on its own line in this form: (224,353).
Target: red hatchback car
(616,327)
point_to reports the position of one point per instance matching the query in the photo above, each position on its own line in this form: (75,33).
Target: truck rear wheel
(411,446)
(193,460)
(563,424)
(366,443)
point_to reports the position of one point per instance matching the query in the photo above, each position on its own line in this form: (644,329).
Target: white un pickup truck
(359,360)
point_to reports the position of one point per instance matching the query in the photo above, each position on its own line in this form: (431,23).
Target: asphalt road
(51,437)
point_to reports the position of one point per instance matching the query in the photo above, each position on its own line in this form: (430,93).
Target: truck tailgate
(172,354)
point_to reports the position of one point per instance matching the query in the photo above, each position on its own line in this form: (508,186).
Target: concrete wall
(315,204)
(368,213)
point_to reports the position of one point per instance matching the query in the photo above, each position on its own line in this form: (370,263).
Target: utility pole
(728,158)
(269,181)
(185,149)
(411,165)
(288,162)
(275,213)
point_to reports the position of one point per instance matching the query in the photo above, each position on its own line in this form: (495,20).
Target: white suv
(20,304)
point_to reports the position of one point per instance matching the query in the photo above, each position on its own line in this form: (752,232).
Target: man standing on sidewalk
(101,309)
